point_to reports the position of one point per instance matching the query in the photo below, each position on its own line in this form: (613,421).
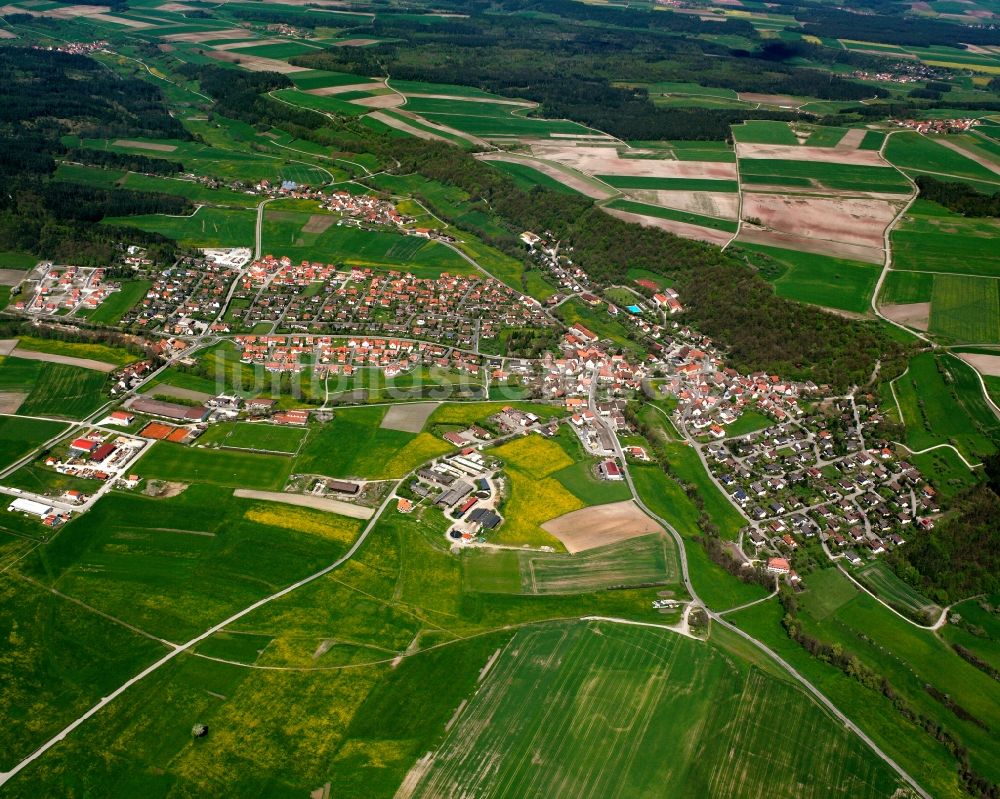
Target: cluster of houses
(327,355)
(63,290)
(185,298)
(316,297)
(74,48)
(366,209)
(545,251)
(937,125)
(814,477)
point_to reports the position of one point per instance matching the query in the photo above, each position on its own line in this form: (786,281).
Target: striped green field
(609,710)
(966,308)
(883,581)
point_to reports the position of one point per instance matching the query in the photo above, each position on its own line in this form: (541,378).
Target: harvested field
(721,204)
(197,37)
(410,418)
(850,221)
(10,401)
(128,23)
(164,390)
(144,145)
(318,223)
(606,161)
(597,526)
(783,100)
(590,188)
(355,42)
(306,501)
(988,365)
(247,43)
(8,345)
(838,249)
(852,139)
(391,100)
(399,124)
(983,162)
(490,100)
(688,231)
(830,155)
(254,63)
(175,7)
(326,91)
(7,34)
(69,360)
(445,128)
(916,315)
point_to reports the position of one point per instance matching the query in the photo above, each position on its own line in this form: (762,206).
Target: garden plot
(606,161)
(851,221)
(598,526)
(830,155)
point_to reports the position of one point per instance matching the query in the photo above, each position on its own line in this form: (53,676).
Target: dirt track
(588,528)
(83,363)
(306,501)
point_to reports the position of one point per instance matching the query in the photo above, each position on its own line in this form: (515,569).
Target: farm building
(609,470)
(485,518)
(343,487)
(170,410)
(456,494)
(30,507)
(83,445)
(102,453)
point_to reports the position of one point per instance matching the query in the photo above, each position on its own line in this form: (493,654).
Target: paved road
(717,618)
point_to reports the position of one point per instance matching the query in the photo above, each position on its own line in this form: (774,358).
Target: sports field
(167,461)
(256,436)
(616,711)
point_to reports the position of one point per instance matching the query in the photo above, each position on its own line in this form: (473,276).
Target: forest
(960,557)
(577,72)
(45,95)
(959,197)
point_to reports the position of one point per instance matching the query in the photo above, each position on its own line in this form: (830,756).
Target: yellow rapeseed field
(303,520)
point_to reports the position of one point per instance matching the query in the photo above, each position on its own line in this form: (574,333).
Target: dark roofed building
(170,410)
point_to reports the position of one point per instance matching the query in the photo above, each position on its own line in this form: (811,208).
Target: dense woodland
(960,557)
(44,96)
(578,72)
(959,197)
